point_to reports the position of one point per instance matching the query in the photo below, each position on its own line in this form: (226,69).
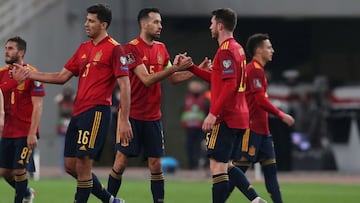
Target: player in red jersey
(228,117)
(257,143)
(99,64)
(149,62)
(23,109)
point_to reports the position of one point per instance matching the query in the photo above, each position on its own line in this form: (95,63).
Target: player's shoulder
(158,43)
(133,42)
(4,68)
(30,67)
(113,41)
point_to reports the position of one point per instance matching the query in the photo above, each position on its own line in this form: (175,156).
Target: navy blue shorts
(14,153)
(87,133)
(257,147)
(148,139)
(223,143)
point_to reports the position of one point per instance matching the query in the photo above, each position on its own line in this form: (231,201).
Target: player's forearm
(124,107)
(180,76)
(266,105)
(53,78)
(35,118)
(158,76)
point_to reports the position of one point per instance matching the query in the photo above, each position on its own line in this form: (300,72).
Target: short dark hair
(144,13)
(227,17)
(103,12)
(255,41)
(21,43)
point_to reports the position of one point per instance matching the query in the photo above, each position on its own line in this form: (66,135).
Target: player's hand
(32,141)
(206,64)
(289,120)
(209,122)
(178,57)
(124,130)
(184,63)
(19,73)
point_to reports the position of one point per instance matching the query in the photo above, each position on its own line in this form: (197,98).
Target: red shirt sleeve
(228,88)
(133,56)
(73,63)
(256,85)
(119,62)
(228,68)
(201,73)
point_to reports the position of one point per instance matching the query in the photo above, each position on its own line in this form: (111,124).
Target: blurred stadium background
(314,75)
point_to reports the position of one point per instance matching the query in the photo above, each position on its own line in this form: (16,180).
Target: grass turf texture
(138,191)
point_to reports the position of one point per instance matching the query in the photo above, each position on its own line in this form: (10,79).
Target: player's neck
(99,38)
(147,39)
(224,36)
(260,60)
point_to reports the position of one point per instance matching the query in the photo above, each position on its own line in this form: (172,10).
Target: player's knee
(154,165)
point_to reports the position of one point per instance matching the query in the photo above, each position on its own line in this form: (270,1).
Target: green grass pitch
(138,191)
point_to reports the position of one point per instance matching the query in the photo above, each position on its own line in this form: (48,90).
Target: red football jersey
(97,67)
(256,95)
(145,101)
(18,105)
(228,81)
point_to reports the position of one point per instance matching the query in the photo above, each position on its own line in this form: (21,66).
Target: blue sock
(271,182)
(83,190)
(21,182)
(157,187)
(237,177)
(114,182)
(243,166)
(220,187)
(99,191)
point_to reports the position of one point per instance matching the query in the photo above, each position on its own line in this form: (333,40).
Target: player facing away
(229,116)
(257,144)
(99,63)
(149,62)
(23,109)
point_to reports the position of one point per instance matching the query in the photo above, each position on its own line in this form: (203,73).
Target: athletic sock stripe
(115,175)
(220,179)
(21,177)
(85,184)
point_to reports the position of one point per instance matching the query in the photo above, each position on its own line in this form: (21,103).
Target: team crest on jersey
(226,63)
(37,83)
(257,83)
(98,56)
(160,59)
(130,58)
(123,60)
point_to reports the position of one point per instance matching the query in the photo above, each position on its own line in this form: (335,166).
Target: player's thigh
(153,139)
(221,142)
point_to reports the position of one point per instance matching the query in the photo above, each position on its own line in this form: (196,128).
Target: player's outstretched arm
(54,78)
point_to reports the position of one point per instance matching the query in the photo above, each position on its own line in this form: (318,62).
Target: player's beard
(215,35)
(12,60)
(155,36)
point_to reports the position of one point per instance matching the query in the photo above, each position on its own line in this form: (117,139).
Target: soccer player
(229,116)
(23,109)
(149,62)
(257,143)
(99,63)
